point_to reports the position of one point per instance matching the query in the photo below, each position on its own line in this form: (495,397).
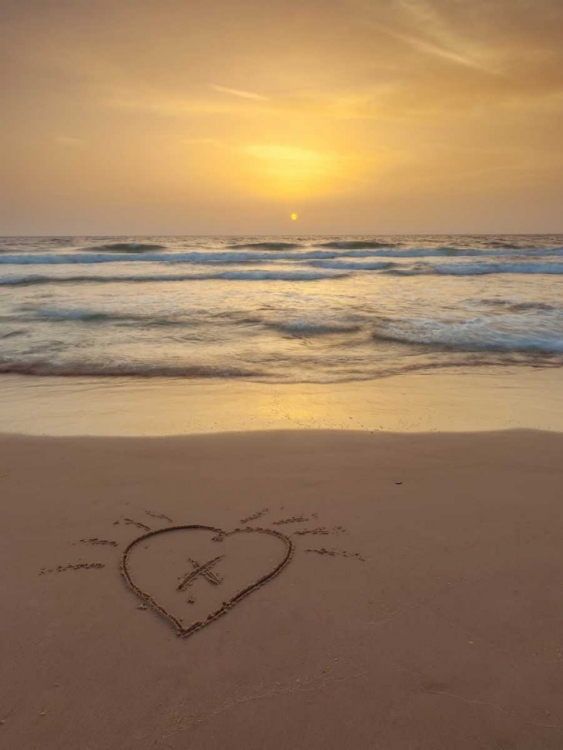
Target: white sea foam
(477,334)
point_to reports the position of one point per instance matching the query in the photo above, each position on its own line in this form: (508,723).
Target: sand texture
(282,590)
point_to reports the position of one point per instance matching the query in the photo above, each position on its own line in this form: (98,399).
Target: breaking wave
(355,244)
(52,315)
(266,245)
(507,304)
(474,335)
(310,328)
(195,258)
(354,265)
(123,369)
(125,247)
(34,280)
(477,269)
(256,254)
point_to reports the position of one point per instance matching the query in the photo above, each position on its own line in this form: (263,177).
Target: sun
(294,217)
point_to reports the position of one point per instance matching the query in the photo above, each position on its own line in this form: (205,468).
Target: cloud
(239,93)
(427,29)
(434,49)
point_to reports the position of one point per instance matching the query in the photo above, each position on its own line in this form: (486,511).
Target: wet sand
(452,400)
(421,605)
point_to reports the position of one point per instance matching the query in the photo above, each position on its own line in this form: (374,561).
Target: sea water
(278,309)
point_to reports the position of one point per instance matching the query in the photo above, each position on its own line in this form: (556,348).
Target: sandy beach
(419,607)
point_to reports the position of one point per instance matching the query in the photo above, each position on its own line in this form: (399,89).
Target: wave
(266,245)
(517,306)
(523,242)
(463,360)
(472,335)
(309,328)
(28,245)
(35,280)
(125,247)
(355,244)
(296,327)
(86,316)
(454,252)
(93,255)
(354,265)
(91,316)
(122,369)
(503,244)
(477,269)
(196,258)
(59,259)
(334,268)
(13,334)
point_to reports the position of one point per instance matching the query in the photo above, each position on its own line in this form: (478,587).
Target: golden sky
(227,116)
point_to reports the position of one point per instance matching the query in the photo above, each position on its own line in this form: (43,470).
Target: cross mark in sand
(202,570)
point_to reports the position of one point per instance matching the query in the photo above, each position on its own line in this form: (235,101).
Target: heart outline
(181,631)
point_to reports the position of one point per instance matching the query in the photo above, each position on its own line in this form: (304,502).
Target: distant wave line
(478,269)
(221,257)
(225,276)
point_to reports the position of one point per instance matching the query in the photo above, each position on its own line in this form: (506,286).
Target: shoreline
(455,400)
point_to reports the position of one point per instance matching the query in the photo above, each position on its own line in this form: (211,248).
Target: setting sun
(294,217)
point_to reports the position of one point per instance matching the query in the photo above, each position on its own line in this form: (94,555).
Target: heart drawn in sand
(189,572)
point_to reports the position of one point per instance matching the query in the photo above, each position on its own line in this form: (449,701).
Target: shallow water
(278,309)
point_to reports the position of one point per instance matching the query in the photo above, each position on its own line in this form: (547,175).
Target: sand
(456,399)
(420,606)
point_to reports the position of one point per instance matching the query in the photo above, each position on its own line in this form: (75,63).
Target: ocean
(278,309)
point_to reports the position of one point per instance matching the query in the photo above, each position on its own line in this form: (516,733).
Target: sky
(228,116)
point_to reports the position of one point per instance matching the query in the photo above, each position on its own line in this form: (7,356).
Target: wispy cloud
(434,49)
(354,106)
(421,25)
(240,93)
